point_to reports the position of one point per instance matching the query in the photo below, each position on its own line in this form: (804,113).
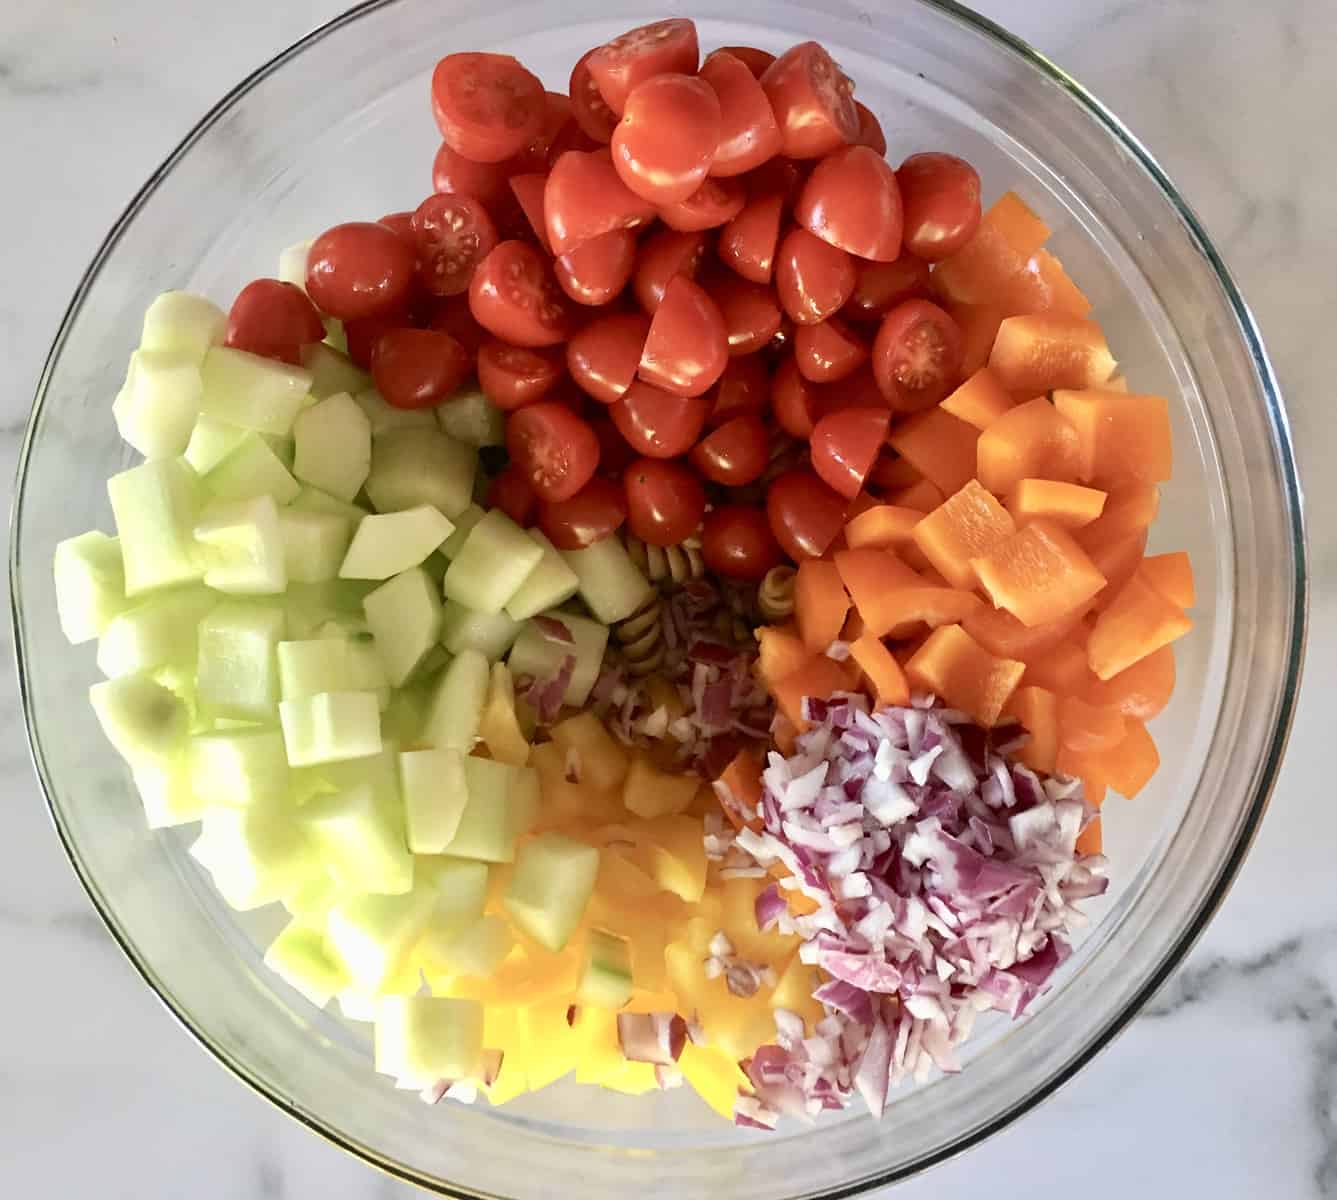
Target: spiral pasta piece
(641,637)
(668,567)
(775,593)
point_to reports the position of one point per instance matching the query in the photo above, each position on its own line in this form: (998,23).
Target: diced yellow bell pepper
(552,1046)
(716,1078)
(794,992)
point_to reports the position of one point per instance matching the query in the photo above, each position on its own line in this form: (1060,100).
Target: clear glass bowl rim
(1283,447)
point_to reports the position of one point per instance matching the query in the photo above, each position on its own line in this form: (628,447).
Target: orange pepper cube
(1031,441)
(965,526)
(1124,438)
(1043,351)
(1008,235)
(1039,574)
(980,401)
(939,446)
(1037,710)
(1066,504)
(962,673)
(1137,622)
(1172,576)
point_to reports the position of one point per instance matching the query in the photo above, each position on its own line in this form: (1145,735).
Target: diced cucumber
(255,855)
(494,562)
(313,900)
(366,669)
(461,884)
(470,417)
(435,792)
(404,615)
(330,727)
(426,1038)
(610,583)
(163,629)
(384,417)
(380,772)
(240,766)
(179,323)
(253,392)
(457,703)
(464,526)
(551,887)
(387,543)
(358,844)
(314,544)
(240,546)
(369,935)
(300,958)
(211,441)
(155,506)
(606,981)
(333,439)
(252,469)
(411,467)
(405,715)
(90,585)
(492,817)
(237,673)
(540,657)
(145,723)
(332,371)
(311,499)
(491,634)
(526,799)
(311,605)
(314,665)
(548,585)
(167,793)
(159,402)
(476,949)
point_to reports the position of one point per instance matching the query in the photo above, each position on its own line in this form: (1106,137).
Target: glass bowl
(339,127)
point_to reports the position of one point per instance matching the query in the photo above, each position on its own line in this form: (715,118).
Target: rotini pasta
(775,593)
(641,637)
(668,567)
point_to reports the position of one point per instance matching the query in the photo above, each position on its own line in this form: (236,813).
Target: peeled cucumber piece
(495,560)
(404,615)
(425,1038)
(155,507)
(470,417)
(357,842)
(237,673)
(385,417)
(310,666)
(476,949)
(548,585)
(370,934)
(180,323)
(309,499)
(159,402)
(330,727)
(457,703)
(497,810)
(539,656)
(313,900)
(239,766)
(253,469)
(241,548)
(387,543)
(163,629)
(333,440)
(607,979)
(314,544)
(332,371)
(464,526)
(168,793)
(491,634)
(611,585)
(253,392)
(299,957)
(461,885)
(551,887)
(435,792)
(90,585)
(255,855)
(415,466)
(145,723)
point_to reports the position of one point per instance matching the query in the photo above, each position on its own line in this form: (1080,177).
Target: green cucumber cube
(179,323)
(380,772)
(414,466)
(461,884)
(237,672)
(497,807)
(253,392)
(457,702)
(548,585)
(370,934)
(611,585)
(239,766)
(155,507)
(491,634)
(211,441)
(314,665)
(404,615)
(422,1039)
(464,526)
(333,439)
(159,402)
(494,562)
(145,722)
(387,543)
(331,727)
(162,630)
(470,417)
(314,544)
(435,792)
(252,469)
(300,958)
(358,843)
(241,547)
(168,793)
(476,949)
(385,417)
(90,585)
(606,981)
(551,887)
(405,715)
(311,499)
(332,371)
(312,901)
(255,855)
(539,656)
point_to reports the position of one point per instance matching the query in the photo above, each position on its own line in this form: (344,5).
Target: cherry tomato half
(710,206)
(515,297)
(853,201)
(360,269)
(454,234)
(603,357)
(511,493)
(363,334)
(813,101)
(557,120)
(401,225)
(665,501)
(744,387)
(751,57)
(418,368)
(512,376)
(845,445)
(751,313)
(596,271)
(665,142)
(941,195)
(805,515)
(870,130)
(748,242)
(528,190)
(659,424)
(736,542)
(688,346)
(748,134)
(454,316)
(793,400)
(487,106)
(588,107)
(881,286)
(662,256)
(592,514)
(812,277)
(272,319)
(917,355)
(736,453)
(828,352)
(637,55)
(452,172)
(554,448)
(584,198)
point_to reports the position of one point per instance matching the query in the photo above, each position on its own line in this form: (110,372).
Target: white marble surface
(1226,1087)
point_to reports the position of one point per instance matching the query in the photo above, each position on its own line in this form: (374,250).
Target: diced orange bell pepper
(1085,727)
(1131,764)
(867,574)
(1172,576)
(1089,841)
(1068,505)
(1000,633)
(1008,235)
(780,652)
(1038,574)
(1115,383)
(784,735)
(1123,438)
(1031,441)
(1063,669)
(819,678)
(1137,622)
(1118,561)
(1089,768)
(968,524)
(1037,710)
(742,777)
(1141,691)
(854,626)
(1041,286)
(820,603)
(924,496)
(955,667)
(1039,353)
(979,327)
(891,473)
(979,401)
(881,670)
(941,447)
(901,611)
(1127,510)
(885,526)
(860,504)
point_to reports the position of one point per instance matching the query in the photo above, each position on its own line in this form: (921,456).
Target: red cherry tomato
(881,286)
(603,357)
(780,177)
(736,453)
(528,190)
(846,444)
(828,352)
(736,542)
(793,400)
(615,456)
(573,137)
(665,142)
(662,256)
(941,196)
(556,118)
(273,319)
(452,172)
(592,514)
(418,368)
(511,493)
(595,272)
(454,316)
(687,347)
(363,334)
(487,106)
(747,243)
(813,101)
(805,515)
(858,390)
(812,277)
(750,311)
(783,341)
(512,376)
(401,225)
(637,55)
(659,424)
(588,107)
(454,234)
(585,198)
(515,297)
(754,59)
(917,355)
(710,206)
(748,135)
(744,388)
(664,501)
(554,448)
(870,130)
(360,269)
(853,201)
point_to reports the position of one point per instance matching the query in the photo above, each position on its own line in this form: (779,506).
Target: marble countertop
(1227,1086)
